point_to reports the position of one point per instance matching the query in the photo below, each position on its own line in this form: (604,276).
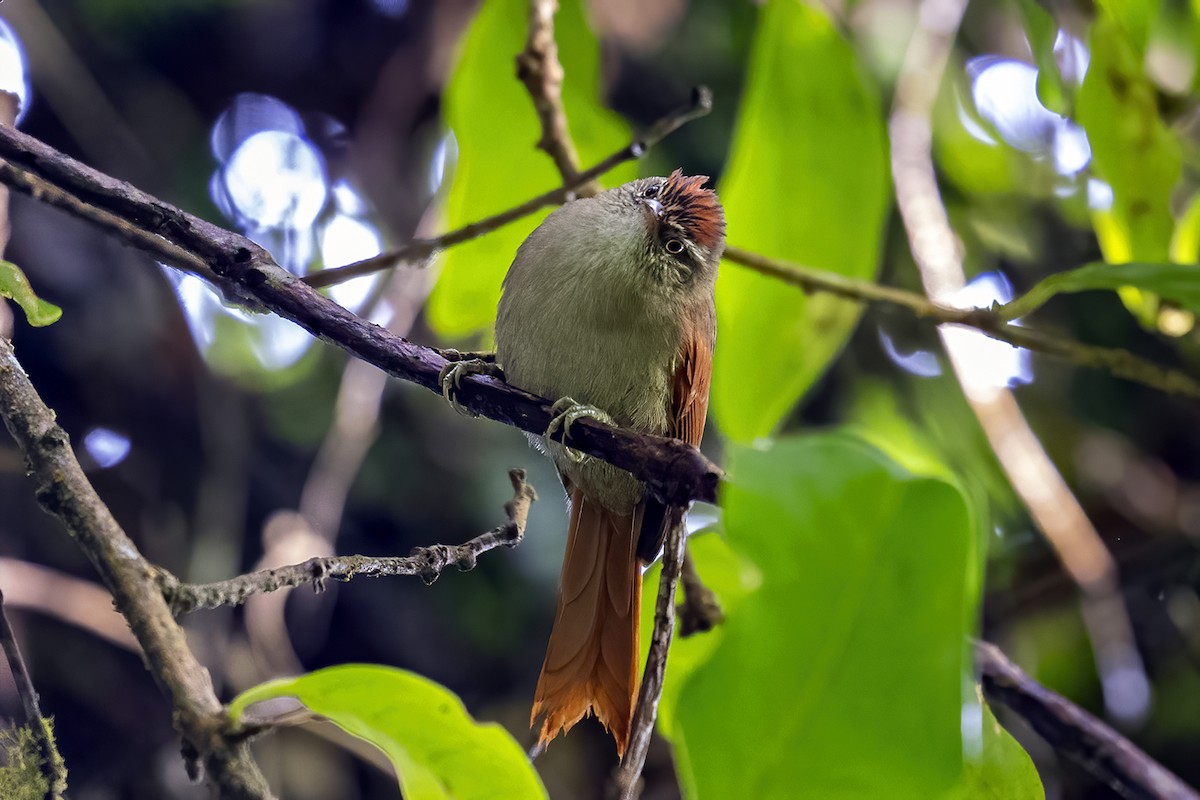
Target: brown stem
(64,491)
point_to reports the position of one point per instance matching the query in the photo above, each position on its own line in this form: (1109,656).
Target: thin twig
(64,491)
(626,781)
(419,250)
(51,762)
(539,69)
(1121,363)
(700,610)
(427,562)
(1075,733)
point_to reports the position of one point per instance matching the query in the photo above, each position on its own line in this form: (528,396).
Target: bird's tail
(592,658)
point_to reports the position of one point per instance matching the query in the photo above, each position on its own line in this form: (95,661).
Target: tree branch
(675,471)
(539,69)
(1076,733)
(51,763)
(626,782)
(64,491)
(1121,363)
(428,562)
(421,249)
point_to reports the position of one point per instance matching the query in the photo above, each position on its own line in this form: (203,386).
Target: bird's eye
(674,246)
(651,191)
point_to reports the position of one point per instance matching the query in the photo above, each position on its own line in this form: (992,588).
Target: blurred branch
(539,69)
(72,600)
(1075,733)
(675,471)
(700,610)
(626,784)
(1032,474)
(64,491)
(573,185)
(50,761)
(427,562)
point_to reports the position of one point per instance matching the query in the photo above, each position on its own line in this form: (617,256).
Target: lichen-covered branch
(64,491)
(426,562)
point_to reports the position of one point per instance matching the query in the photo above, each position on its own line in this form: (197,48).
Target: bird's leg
(450,378)
(450,354)
(566,413)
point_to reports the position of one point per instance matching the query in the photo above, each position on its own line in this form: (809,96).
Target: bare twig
(1119,362)
(539,69)
(1076,733)
(51,763)
(63,490)
(1033,476)
(420,249)
(626,783)
(427,562)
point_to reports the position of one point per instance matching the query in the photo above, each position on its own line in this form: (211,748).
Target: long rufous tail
(592,658)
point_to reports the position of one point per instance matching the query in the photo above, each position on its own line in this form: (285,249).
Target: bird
(608,306)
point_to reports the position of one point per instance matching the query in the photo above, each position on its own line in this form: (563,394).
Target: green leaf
(999,769)
(15,286)
(1132,148)
(842,674)
(731,579)
(1179,283)
(807,182)
(438,750)
(498,165)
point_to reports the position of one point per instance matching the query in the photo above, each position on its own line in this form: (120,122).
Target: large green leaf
(995,766)
(841,676)
(807,181)
(15,286)
(438,750)
(498,165)
(1179,283)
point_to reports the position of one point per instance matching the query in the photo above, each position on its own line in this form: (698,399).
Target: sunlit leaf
(1000,769)
(842,674)
(438,750)
(1133,150)
(730,578)
(807,181)
(15,286)
(496,130)
(1179,283)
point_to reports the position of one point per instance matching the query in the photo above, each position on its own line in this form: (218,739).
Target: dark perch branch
(1076,733)
(420,249)
(427,562)
(626,783)
(677,472)
(64,491)
(52,764)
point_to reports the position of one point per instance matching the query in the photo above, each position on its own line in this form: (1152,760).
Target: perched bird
(608,305)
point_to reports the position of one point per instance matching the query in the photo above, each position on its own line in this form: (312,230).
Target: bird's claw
(566,412)
(451,376)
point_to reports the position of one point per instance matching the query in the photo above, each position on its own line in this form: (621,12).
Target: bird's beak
(653,211)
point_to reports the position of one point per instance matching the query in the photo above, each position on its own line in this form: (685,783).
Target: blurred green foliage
(438,750)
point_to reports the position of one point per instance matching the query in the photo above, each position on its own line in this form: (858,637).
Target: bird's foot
(566,413)
(450,378)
